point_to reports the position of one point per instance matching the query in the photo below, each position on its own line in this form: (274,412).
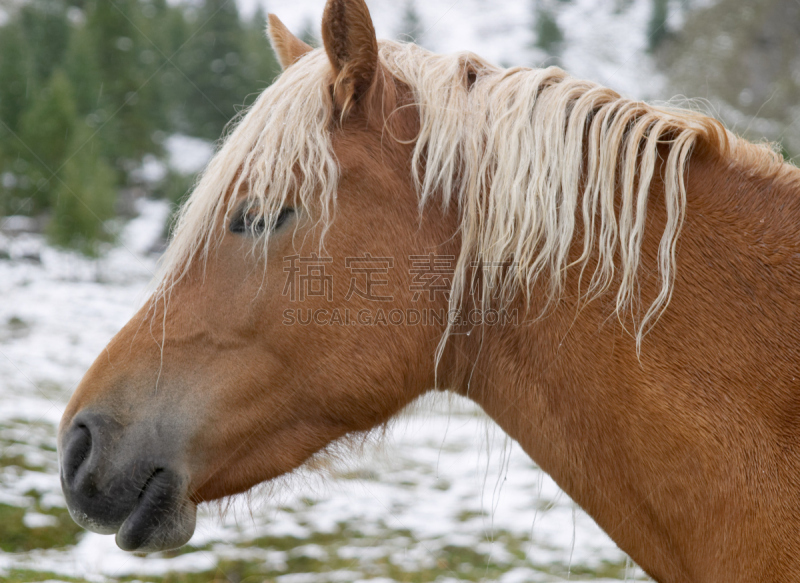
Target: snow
(186,154)
(152,170)
(38,520)
(63,310)
(19,224)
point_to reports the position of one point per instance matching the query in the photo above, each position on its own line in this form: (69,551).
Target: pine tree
(213,60)
(45,26)
(657,26)
(82,68)
(84,199)
(549,37)
(46,129)
(14,76)
(14,86)
(171,31)
(127,98)
(164,31)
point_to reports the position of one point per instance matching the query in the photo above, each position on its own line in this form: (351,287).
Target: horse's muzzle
(123,484)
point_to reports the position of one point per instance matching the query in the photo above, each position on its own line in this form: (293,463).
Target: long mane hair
(531,156)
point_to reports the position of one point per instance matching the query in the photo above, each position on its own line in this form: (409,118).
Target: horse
(614,283)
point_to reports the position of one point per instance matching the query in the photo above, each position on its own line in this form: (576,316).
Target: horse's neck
(690,451)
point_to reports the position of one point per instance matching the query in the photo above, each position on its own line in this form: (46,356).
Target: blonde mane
(523,153)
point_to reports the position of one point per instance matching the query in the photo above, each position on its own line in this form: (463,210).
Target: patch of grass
(27,576)
(16,537)
(184,550)
(226,572)
(17,323)
(466,515)
(607,569)
(27,446)
(15,328)
(366,475)
(342,535)
(18,460)
(451,561)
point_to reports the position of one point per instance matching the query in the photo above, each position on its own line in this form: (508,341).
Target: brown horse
(615,284)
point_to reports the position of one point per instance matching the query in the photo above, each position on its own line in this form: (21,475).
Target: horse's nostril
(78,446)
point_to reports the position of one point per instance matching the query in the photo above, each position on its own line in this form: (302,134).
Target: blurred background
(109,108)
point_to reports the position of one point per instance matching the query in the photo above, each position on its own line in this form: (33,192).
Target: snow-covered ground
(443,478)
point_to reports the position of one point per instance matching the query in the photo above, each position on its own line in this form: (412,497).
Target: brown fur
(349,39)
(288,48)
(688,455)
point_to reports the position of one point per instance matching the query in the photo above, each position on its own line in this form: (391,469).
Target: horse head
(269,336)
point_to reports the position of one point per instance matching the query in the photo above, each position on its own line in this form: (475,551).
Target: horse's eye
(250,222)
(282,217)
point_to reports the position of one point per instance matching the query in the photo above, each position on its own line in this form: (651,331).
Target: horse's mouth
(161,518)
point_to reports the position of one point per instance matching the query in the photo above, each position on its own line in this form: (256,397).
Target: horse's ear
(349,39)
(287,47)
